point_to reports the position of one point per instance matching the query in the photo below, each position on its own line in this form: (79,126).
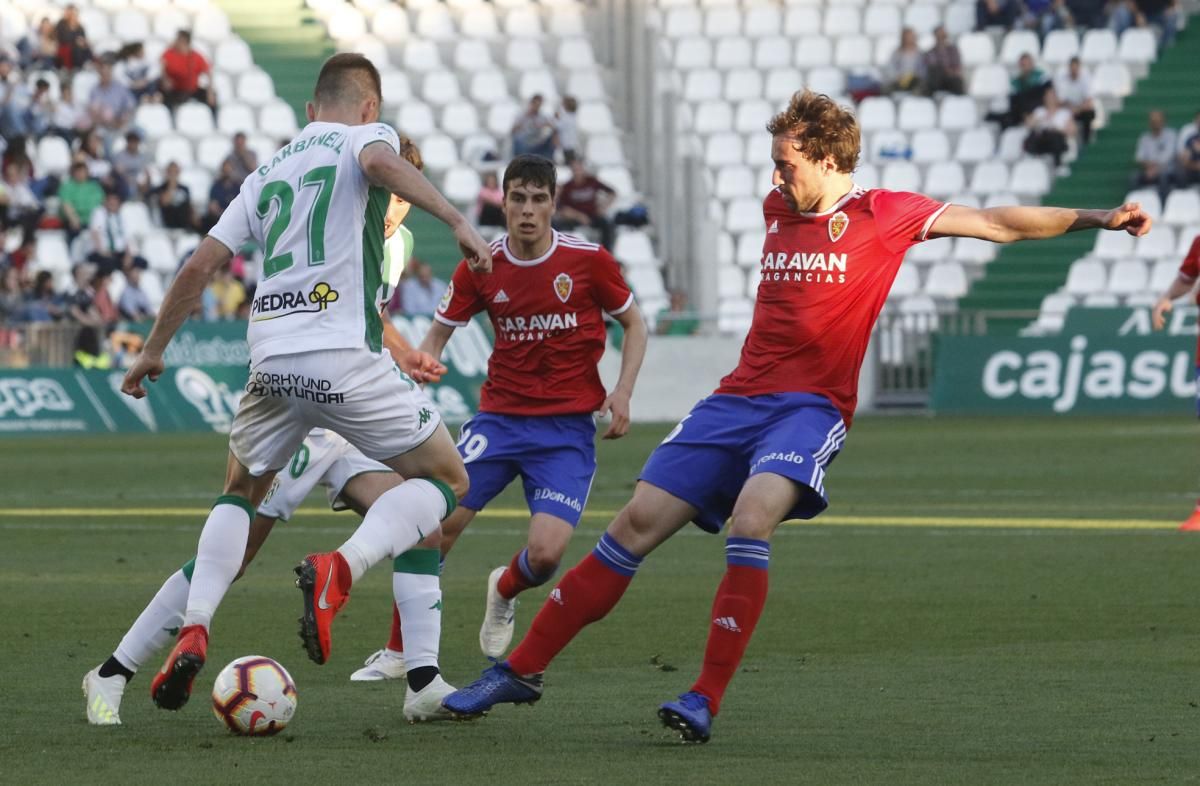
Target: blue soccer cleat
(498,685)
(689,716)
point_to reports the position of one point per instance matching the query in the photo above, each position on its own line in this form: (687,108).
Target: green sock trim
(187,569)
(422,562)
(451,500)
(239,501)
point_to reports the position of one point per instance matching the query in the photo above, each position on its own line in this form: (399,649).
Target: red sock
(586,594)
(513,582)
(396,642)
(736,609)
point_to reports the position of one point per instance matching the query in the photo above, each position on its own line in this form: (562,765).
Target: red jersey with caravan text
(1191,269)
(548,316)
(824,279)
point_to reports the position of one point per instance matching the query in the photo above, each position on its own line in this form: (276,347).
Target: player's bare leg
(763,502)
(219,558)
(586,594)
(399,519)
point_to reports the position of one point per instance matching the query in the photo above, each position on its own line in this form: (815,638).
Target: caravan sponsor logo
(535,327)
(318,391)
(276,305)
(803,267)
(557,496)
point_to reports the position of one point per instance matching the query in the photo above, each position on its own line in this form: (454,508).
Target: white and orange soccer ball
(254,696)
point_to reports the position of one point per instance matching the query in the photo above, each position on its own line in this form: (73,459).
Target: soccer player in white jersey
(316,355)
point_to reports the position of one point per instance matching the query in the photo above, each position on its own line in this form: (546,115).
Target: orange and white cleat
(1193,522)
(172,686)
(325,581)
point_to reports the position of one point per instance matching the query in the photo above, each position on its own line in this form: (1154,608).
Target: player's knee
(458,482)
(752,523)
(543,558)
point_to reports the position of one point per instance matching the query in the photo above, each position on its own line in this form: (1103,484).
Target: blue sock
(616,557)
(531,578)
(747,552)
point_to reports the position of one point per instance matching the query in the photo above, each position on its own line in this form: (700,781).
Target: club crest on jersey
(837,225)
(446,298)
(563,286)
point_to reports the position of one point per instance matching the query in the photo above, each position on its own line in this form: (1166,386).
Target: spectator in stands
(39,47)
(74,52)
(1088,13)
(78,196)
(174,201)
(67,118)
(227,292)
(1043,16)
(222,192)
(91,152)
(567,126)
(943,65)
(81,300)
(111,104)
(996,13)
(131,167)
(42,303)
(533,132)
(678,319)
(134,304)
(1156,150)
(1163,15)
(102,300)
(1027,88)
(39,116)
(186,74)
(112,247)
(1187,168)
(241,158)
(1074,89)
(489,207)
(906,68)
(136,72)
(421,291)
(1050,125)
(583,201)
(20,207)
(14,100)
(12,296)
(1187,131)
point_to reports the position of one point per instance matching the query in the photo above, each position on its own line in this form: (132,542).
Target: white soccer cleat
(497,631)
(103,697)
(426,704)
(382,665)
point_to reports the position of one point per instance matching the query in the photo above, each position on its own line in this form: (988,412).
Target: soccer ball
(254,696)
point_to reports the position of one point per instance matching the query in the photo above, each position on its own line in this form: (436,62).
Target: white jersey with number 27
(320,225)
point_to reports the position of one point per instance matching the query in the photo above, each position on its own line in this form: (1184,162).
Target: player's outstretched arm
(1008,224)
(633,352)
(421,366)
(436,339)
(181,300)
(385,168)
(1179,287)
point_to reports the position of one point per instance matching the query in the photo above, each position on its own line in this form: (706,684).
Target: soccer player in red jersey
(1184,282)
(546,297)
(756,451)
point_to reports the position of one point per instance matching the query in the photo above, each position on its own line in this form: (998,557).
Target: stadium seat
(930,146)
(1099,46)
(723,149)
(936,250)
(742,84)
(634,248)
(976,49)
(734,315)
(750,248)
(435,23)
(744,215)
(199,182)
(255,88)
(390,24)
(782,83)
(130,24)
(974,250)
(488,87)
(1127,276)
(713,117)
(1182,208)
(210,25)
(154,120)
(136,217)
(885,46)
(702,84)
(1184,243)
(752,117)
(500,117)
(479,150)
(1012,144)
(1017,43)
(212,150)
(722,21)
(440,88)
(472,55)
(867,176)
(944,179)
(693,53)
(460,119)
(989,177)
(1059,47)
(923,18)
(907,282)
(1087,276)
(420,55)
(959,19)
(1112,80)
(853,52)
(917,113)
(165,23)
(575,54)
(586,85)
(733,182)
(975,145)
(901,176)
(841,20)
(232,56)
(1030,177)
(595,118)
(946,280)
(396,87)
(772,52)
(801,20)
(827,79)
(683,22)
(958,113)
(733,53)
(479,23)
(876,113)
(761,21)
(604,150)
(159,252)
(439,152)
(989,81)
(173,148)
(1138,46)
(538,81)
(1162,274)
(814,52)
(567,21)
(1159,244)
(415,120)
(1149,199)
(880,19)
(1113,245)
(461,184)
(194,120)
(731,281)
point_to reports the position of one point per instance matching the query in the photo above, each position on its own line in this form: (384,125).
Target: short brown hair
(411,153)
(819,128)
(347,77)
(531,170)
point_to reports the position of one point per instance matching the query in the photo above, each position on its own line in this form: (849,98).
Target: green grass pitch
(1056,646)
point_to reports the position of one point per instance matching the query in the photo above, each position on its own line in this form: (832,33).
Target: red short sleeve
(1191,262)
(461,301)
(612,293)
(904,218)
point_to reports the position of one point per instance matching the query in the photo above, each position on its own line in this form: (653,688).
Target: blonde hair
(818,128)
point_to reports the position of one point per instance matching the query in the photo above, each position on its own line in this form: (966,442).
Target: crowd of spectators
(1167,158)
(1045,16)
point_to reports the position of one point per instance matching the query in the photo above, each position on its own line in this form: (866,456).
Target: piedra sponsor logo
(276,305)
(318,391)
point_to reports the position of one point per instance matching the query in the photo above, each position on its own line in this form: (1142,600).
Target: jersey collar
(854,192)
(508,252)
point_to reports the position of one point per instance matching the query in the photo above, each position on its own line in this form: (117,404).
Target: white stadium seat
(930,146)
(762,21)
(1059,47)
(212,150)
(907,282)
(944,179)
(585,86)
(255,87)
(1127,276)
(479,23)
(539,81)
(976,49)
(946,280)
(604,150)
(853,52)
(634,248)
(958,113)
(990,177)
(752,116)
(435,23)
(702,84)
(415,120)
(683,22)
(973,249)
(460,119)
(136,217)
(1017,43)
(390,24)
(461,184)
(901,176)
(733,53)
(1113,245)
(801,20)
(1112,79)
(723,149)
(420,55)
(1087,276)
(154,120)
(923,18)
(194,120)
(575,54)
(989,81)
(881,19)
(173,148)
(742,84)
(813,51)
(472,55)
(233,56)
(693,53)
(1099,46)
(917,113)
(975,145)
(1159,244)
(782,83)
(1162,275)
(840,20)
(440,88)
(1030,177)
(744,215)
(501,117)
(1182,208)
(713,117)
(439,152)
(828,80)
(749,248)
(595,118)
(1138,46)
(723,21)
(876,112)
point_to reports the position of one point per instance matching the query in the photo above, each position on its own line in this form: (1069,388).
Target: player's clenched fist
(145,366)
(1130,217)
(476,251)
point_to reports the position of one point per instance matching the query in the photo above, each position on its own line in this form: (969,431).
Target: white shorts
(361,395)
(324,459)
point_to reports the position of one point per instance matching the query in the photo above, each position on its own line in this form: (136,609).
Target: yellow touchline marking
(978,522)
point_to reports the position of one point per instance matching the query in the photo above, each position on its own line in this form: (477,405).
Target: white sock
(156,625)
(417,591)
(398,520)
(218,557)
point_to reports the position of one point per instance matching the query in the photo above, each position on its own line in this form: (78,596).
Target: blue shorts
(555,455)
(725,439)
